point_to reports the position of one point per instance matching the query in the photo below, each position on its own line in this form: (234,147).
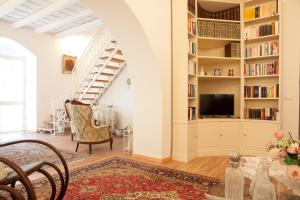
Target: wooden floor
(208,166)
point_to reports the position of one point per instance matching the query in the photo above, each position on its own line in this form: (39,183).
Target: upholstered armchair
(83,124)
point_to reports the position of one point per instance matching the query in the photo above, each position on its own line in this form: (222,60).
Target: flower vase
(291,159)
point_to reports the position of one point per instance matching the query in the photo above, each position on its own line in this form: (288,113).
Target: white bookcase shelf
(218,136)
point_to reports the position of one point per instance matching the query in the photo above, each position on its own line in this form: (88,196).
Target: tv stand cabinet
(213,137)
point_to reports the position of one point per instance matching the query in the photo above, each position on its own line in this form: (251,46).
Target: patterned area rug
(119,178)
(29,152)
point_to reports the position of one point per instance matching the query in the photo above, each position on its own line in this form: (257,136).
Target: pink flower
(283,154)
(293,148)
(278,134)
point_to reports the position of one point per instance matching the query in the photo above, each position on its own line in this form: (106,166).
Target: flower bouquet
(284,147)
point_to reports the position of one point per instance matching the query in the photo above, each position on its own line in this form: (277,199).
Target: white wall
(48,50)
(291,64)
(142,28)
(119,95)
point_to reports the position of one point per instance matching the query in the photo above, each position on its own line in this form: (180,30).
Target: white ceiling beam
(51,26)
(44,12)
(9,6)
(81,28)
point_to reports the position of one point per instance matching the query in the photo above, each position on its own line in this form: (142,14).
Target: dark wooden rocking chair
(21,173)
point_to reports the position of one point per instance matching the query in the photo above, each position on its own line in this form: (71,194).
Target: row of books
(192,67)
(218,29)
(261,69)
(264,10)
(263,49)
(191,113)
(228,14)
(270,91)
(192,47)
(233,49)
(262,30)
(192,6)
(192,26)
(191,90)
(261,113)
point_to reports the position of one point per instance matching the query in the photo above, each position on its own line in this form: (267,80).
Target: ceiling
(58,17)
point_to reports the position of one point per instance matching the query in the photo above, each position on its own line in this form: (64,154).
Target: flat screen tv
(216,105)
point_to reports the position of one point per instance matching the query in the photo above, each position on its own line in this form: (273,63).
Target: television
(216,105)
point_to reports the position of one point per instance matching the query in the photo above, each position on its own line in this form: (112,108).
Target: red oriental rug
(119,178)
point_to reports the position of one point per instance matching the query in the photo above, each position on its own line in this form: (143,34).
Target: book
(233,50)
(191,90)
(262,30)
(260,113)
(262,49)
(261,69)
(264,10)
(192,47)
(191,113)
(192,67)
(270,91)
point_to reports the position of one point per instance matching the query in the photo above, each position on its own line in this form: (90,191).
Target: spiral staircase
(92,75)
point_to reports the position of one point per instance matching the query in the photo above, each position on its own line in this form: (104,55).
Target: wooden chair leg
(72,137)
(90,148)
(77,147)
(111,143)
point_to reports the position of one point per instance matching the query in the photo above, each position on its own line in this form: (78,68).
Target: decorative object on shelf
(261,187)
(202,73)
(218,72)
(230,72)
(285,147)
(68,64)
(234,179)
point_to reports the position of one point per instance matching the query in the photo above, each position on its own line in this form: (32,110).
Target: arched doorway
(17,87)
(151,104)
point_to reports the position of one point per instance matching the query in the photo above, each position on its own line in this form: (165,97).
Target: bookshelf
(262,62)
(224,57)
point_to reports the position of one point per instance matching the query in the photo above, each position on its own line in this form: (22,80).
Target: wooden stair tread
(101,80)
(117,60)
(119,52)
(108,67)
(88,92)
(104,73)
(93,86)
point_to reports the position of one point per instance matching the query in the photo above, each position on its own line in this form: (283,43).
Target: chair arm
(13,192)
(51,147)
(22,176)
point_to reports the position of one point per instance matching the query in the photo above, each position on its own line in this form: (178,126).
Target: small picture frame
(68,63)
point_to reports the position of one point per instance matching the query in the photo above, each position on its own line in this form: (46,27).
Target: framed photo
(68,64)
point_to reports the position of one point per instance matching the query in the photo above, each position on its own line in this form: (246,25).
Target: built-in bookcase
(240,41)
(262,60)
(225,47)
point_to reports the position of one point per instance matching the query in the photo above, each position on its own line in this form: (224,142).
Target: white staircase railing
(84,65)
